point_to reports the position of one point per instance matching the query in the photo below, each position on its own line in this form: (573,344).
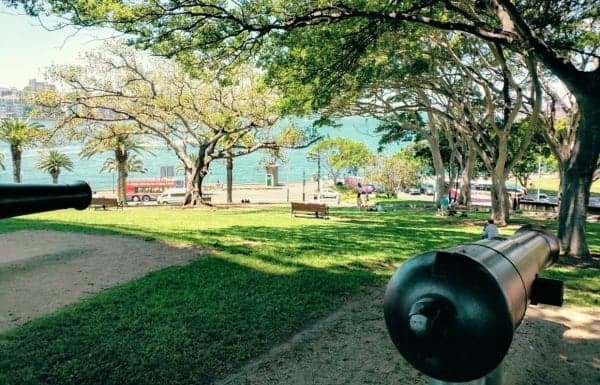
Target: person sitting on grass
(489,230)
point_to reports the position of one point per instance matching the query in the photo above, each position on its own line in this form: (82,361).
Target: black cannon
(452,313)
(20,199)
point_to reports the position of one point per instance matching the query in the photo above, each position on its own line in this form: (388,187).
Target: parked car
(172,196)
(426,189)
(328,193)
(413,190)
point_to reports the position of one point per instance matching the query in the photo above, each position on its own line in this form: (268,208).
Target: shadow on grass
(394,236)
(181,325)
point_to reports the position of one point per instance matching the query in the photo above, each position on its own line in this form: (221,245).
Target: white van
(172,196)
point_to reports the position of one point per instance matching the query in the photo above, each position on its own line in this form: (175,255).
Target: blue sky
(26,48)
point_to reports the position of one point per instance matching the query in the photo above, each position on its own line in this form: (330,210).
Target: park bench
(102,203)
(311,207)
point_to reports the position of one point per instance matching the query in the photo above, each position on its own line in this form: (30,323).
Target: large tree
(561,34)
(396,172)
(341,154)
(454,89)
(215,116)
(500,89)
(386,82)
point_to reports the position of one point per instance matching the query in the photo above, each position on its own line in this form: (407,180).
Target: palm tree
(19,134)
(133,164)
(52,162)
(2,161)
(119,139)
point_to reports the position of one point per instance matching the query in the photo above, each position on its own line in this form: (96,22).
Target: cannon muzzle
(21,199)
(452,313)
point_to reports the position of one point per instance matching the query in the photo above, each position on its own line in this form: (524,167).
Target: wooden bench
(311,207)
(102,203)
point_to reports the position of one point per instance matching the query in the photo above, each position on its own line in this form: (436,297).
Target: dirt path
(553,346)
(41,271)
(44,270)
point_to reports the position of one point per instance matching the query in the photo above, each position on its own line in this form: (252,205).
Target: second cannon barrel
(452,313)
(21,199)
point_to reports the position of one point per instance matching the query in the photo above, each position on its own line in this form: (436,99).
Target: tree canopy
(341,154)
(396,172)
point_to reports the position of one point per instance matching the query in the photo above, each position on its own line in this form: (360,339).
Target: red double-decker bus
(149,189)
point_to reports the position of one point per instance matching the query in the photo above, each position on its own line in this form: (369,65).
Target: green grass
(269,276)
(549,185)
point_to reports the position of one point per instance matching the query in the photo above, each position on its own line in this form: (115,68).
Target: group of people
(490,230)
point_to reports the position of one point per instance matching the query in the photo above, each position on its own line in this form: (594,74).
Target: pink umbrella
(367,189)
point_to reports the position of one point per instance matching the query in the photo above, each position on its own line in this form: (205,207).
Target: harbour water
(247,169)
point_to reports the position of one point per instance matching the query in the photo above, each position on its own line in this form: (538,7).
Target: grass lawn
(549,185)
(269,277)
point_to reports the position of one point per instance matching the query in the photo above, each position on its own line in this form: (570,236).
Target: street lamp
(287,182)
(303,185)
(539,175)
(317,157)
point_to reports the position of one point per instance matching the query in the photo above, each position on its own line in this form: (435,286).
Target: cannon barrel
(20,199)
(452,313)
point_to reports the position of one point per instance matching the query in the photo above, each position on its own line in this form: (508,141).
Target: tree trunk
(122,177)
(467,175)
(194,194)
(334,176)
(440,171)
(229,168)
(574,198)
(122,187)
(577,179)
(16,159)
(121,158)
(54,177)
(500,200)
(433,139)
